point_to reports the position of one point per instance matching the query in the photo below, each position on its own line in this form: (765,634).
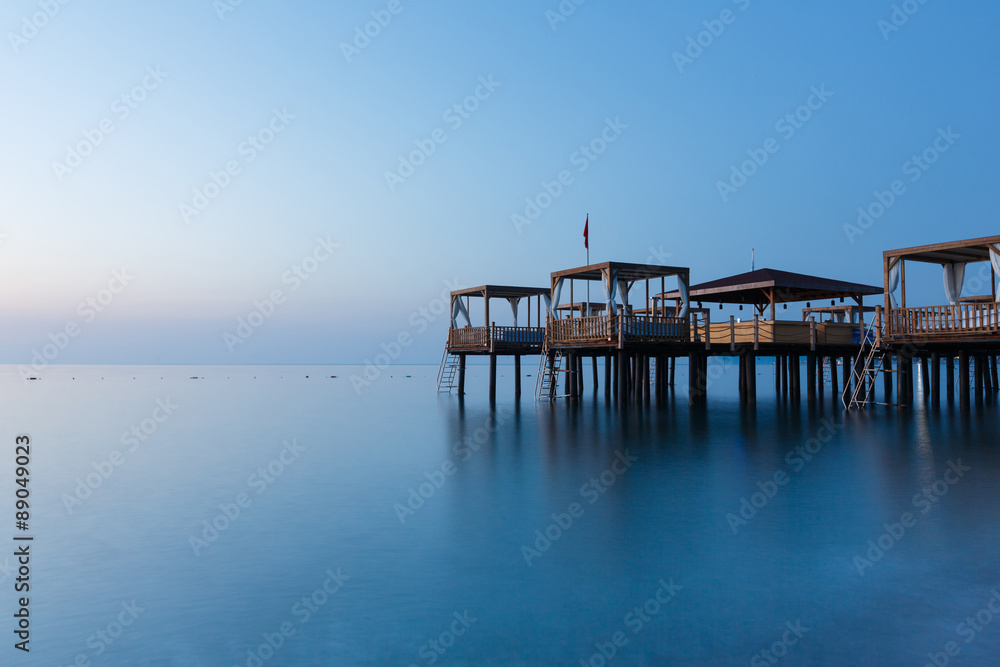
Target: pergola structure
(766,288)
(962,318)
(491,339)
(618,324)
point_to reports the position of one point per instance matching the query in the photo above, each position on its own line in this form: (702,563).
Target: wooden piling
(993,372)
(821,383)
(847,376)
(925,377)
(834,392)
(950,377)
(752,377)
(517,376)
(963,379)
(795,375)
(887,378)
(935,379)
(493,378)
(980,377)
(593,360)
(608,364)
(811,376)
(461,375)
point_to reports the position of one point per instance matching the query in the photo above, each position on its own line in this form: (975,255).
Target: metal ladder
(874,366)
(447,372)
(547,380)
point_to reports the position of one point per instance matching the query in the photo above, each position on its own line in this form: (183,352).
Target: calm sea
(276,516)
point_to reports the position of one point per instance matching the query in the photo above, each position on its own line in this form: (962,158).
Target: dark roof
(501,291)
(755,286)
(972,250)
(624,271)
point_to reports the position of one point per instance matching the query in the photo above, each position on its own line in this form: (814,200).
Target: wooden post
(811,374)
(517,376)
(935,379)
(607,375)
(795,375)
(820,382)
(950,377)
(925,377)
(461,375)
(752,377)
(777,375)
(887,378)
(980,377)
(579,375)
(673,369)
(645,378)
(623,362)
(833,380)
(694,371)
(743,379)
(493,378)
(732,333)
(812,334)
(993,369)
(963,379)
(593,361)
(756,332)
(616,372)
(847,376)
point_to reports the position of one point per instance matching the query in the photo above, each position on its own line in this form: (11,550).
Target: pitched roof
(755,287)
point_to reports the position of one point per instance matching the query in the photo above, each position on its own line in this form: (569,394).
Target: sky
(169,169)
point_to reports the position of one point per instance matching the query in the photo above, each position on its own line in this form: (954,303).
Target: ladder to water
(547,380)
(864,378)
(448,372)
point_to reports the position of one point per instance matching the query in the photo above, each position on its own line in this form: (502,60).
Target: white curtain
(682,286)
(548,303)
(556,294)
(514,302)
(894,274)
(460,309)
(995,259)
(623,292)
(954,281)
(610,291)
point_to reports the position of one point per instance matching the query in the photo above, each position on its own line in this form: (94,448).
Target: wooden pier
(622,314)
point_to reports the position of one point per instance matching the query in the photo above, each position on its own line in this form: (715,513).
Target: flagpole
(588,264)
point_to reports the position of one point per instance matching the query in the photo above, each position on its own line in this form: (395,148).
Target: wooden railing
(605,329)
(518,335)
(942,321)
(469,337)
(654,327)
(597,329)
(484,338)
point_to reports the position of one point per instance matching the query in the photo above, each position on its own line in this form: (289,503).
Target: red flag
(586,233)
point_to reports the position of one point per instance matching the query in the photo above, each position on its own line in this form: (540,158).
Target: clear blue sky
(324,174)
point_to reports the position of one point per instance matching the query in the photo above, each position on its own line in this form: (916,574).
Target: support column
(935,379)
(777,375)
(993,372)
(622,383)
(848,362)
(887,378)
(493,378)
(694,377)
(834,383)
(752,377)
(811,376)
(795,375)
(950,378)
(607,375)
(963,379)
(461,375)
(593,361)
(517,376)
(820,382)
(980,379)
(673,369)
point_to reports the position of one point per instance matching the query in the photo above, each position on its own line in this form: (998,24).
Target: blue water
(455,570)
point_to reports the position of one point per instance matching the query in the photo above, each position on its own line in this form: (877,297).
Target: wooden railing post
(812,334)
(756,332)
(732,333)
